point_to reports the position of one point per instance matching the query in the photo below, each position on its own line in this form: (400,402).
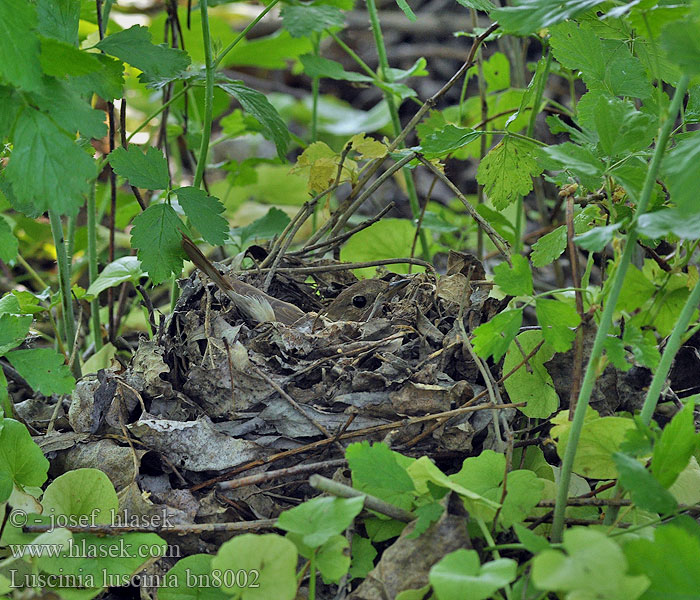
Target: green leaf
(447,140)
(675,447)
(127,268)
(257,105)
(636,290)
(597,238)
(270,555)
(19,45)
(524,491)
(558,321)
(460,571)
(196,567)
(156,234)
(497,72)
(493,337)
(205,213)
(319,519)
(8,242)
(134,46)
(13,330)
(531,384)
(60,58)
(302,21)
(527,16)
(20,458)
(59,19)
(533,543)
(106,83)
(375,471)
(69,110)
(673,579)
(600,439)
(578,160)
(38,141)
(483,5)
(515,280)
(317,66)
(680,40)
(621,128)
(427,515)
(82,492)
(264,228)
(607,66)
(681,170)
(149,170)
(44,369)
(363,554)
(389,238)
(670,220)
(593,567)
(507,170)
(646,492)
(549,247)
(333,559)
(403,5)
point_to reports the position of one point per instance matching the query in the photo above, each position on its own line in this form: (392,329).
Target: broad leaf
(493,337)
(44,369)
(156,234)
(19,46)
(205,213)
(149,170)
(303,20)
(515,280)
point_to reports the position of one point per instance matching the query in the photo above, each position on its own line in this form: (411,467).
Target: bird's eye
(359,301)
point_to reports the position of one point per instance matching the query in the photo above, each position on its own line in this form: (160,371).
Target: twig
(281,473)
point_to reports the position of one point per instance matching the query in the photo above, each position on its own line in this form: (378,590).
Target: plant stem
(64,277)
(383,72)
(316,43)
(209,67)
(92,265)
(607,316)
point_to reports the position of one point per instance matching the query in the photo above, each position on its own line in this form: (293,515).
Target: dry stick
(339,239)
(348,266)
(179,529)
(276,252)
(495,238)
(350,434)
(576,282)
(355,204)
(416,235)
(371,502)
(280,473)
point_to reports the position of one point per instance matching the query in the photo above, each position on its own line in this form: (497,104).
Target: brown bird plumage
(360,301)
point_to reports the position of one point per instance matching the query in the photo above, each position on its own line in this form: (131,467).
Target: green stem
(312,575)
(607,316)
(208,96)
(92,265)
(64,277)
(156,112)
(243,33)
(383,72)
(315,42)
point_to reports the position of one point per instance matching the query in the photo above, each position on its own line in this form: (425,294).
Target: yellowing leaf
(367,147)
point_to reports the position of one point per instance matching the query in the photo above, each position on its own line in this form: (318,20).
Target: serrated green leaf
(621,128)
(506,172)
(558,321)
(9,107)
(646,492)
(205,213)
(674,448)
(578,160)
(266,227)
(257,105)
(527,16)
(59,19)
(149,170)
(636,290)
(38,141)
(515,280)
(643,344)
(533,384)
(106,83)
(134,46)
(363,554)
(596,239)
(483,5)
(44,369)
(19,46)
(156,234)
(376,471)
(20,457)
(447,140)
(680,40)
(303,20)
(8,242)
(493,337)
(549,247)
(317,66)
